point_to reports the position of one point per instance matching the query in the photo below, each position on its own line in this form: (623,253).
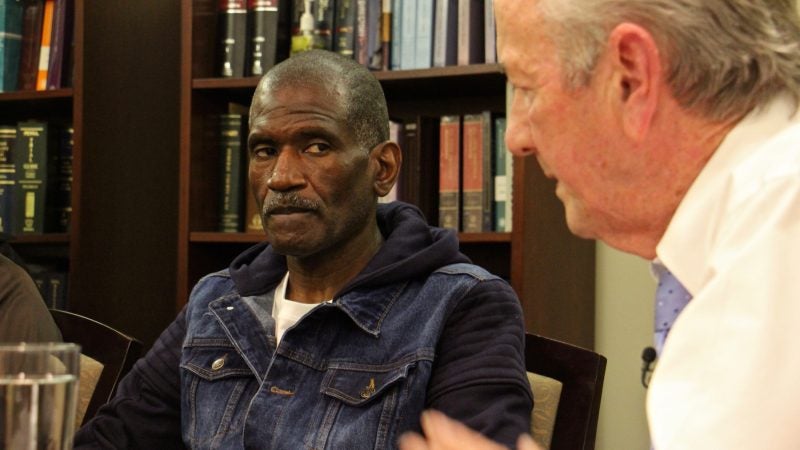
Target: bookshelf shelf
(65,93)
(47,238)
(551,271)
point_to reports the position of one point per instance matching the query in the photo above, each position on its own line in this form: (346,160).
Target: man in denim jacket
(348,322)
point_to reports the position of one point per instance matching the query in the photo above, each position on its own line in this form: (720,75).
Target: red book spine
(449,171)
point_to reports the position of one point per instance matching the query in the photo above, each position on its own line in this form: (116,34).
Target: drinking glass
(38,394)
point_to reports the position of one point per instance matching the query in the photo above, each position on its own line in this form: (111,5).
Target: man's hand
(443,433)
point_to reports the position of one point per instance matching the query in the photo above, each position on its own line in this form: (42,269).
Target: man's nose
(287,172)
(518,132)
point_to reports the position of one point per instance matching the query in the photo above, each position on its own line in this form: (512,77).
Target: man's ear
(637,77)
(387,159)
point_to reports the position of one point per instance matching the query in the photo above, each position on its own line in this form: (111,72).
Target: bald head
(362,98)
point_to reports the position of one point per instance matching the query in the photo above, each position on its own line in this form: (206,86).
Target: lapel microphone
(648,356)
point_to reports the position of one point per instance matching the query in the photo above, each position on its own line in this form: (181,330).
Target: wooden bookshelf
(552,272)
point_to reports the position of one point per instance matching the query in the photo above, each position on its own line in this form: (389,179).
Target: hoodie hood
(411,249)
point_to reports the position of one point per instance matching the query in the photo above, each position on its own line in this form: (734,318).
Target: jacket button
(217,364)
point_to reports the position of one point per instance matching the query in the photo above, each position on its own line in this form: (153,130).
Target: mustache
(286,202)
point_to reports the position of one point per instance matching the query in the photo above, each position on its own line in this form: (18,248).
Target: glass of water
(38,394)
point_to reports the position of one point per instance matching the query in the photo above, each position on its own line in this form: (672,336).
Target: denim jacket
(433,332)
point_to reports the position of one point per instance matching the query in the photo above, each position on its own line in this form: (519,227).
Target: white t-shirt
(287,312)
(729,376)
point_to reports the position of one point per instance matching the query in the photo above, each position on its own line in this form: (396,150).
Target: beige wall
(623,327)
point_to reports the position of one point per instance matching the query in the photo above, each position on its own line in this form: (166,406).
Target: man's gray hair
(363,98)
(723,57)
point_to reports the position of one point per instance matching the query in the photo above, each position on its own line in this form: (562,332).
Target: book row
(455,169)
(35,177)
(52,283)
(381,34)
(36,42)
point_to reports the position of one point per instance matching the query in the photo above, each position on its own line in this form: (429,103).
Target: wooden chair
(569,383)
(106,356)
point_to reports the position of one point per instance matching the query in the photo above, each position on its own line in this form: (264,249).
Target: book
(423,35)
(59,185)
(476,173)
(8,134)
(445,34)
(262,33)
(44,45)
(30,163)
(470,32)
(386,34)
(231,190)
(408,33)
(60,43)
(32,18)
(397,16)
(51,282)
(345,28)
(10,43)
(450,172)
(232,41)
(419,174)
(489,33)
(503,177)
(368,33)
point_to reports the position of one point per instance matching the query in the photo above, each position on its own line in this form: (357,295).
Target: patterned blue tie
(671,298)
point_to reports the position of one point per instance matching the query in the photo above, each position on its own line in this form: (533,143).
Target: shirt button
(229,308)
(217,364)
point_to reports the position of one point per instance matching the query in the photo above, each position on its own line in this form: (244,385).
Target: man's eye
(264,152)
(317,147)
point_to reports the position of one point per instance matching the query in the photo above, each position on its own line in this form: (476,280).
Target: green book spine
(7,176)
(10,43)
(231,190)
(500,176)
(30,161)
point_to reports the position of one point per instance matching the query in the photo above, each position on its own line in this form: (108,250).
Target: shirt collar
(688,241)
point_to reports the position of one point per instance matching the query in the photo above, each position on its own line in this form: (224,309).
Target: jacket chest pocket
(216,387)
(360,406)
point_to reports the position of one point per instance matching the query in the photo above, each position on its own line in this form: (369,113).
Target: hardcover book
(44,46)
(231,189)
(476,210)
(450,172)
(8,134)
(445,34)
(397,16)
(419,175)
(470,32)
(386,34)
(59,184)
(263,35)
(345,28)
(30,162)
(423,54)
(32,18)
(408,34)
(10,43)
(503,178)
(60,43)
(232,42)
(489,33)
